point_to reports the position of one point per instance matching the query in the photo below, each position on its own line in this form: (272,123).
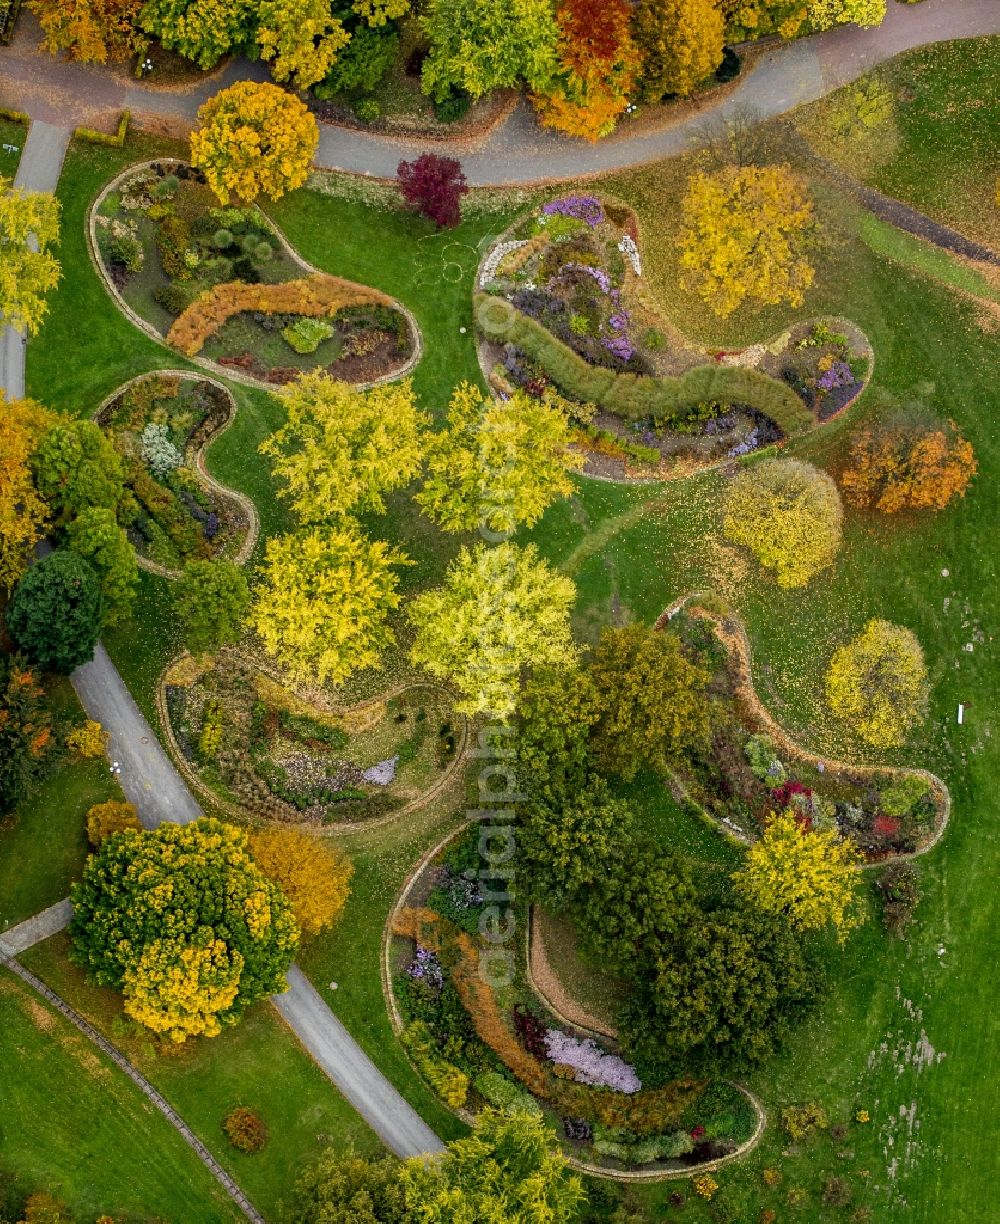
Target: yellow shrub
(103,819)
(90,740)
(878,683)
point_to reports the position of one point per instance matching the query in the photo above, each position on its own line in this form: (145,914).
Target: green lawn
(936,145)
(11,134)
(72,1124)
(259,1064)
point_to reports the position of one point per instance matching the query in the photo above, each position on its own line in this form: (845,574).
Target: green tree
(300,38)
(482,45)
(555,713)
(788,514)
(877,683)
(184,923)
(746,235)
(76,467)
(200,30)
(95,535)
(807,875)
(566,850)
(56,611)
(499,611)
(723,993)
(652,699)
(323,604)
(681,42)
(498,463)
(25,731)
(510,1170)
(211,599)
(29,226)
(342,1187)
(341,450)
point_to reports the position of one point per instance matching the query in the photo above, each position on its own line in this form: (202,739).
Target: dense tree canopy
(807,875)
(323,603)
(498,463)
(500,610)
(25,730)
(76,468)
(56,611)
(185,923)
(93,31)
(788,514)
(314,875)
(254,139)
(300,38)
(681,43)
(877,683)
(341,450)
(29,227)
(342,1187)
(95,535)
(746,236)
(908,464)
(211,599)
(23,513)
(200,30)
(555,712)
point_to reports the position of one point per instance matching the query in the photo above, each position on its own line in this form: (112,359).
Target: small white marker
(333,985)
(961,714)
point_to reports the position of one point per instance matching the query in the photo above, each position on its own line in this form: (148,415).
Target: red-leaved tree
(433,186)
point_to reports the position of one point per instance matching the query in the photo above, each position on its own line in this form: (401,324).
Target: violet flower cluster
(591,1064)
(838,375)
(425,967)
(581,207)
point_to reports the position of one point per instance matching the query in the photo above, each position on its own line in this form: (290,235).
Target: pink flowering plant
(593,1066)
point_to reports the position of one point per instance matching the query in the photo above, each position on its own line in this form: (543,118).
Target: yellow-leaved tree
(500,610)
(681,43)
(826,13)
(179,988)
(300,38)
(788,514)
(323,604)
(340,450)
(314,875)
(808,876)
(93,31)
(745,237)
(499,463)
(103,819)
(255,139)
(29,226)
(23,512)
(877,683)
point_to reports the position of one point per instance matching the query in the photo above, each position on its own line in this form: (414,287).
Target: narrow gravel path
(518,151)
(41,161)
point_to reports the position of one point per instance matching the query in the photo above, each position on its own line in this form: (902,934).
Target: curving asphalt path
(518,151)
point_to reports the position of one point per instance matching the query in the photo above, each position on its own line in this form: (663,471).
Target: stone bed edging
(737,644)
(212,367)
(149,1092)
(582,1166)
(339,827)
(699,469)
(252,533)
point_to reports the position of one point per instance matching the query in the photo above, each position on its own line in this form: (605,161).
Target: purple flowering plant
(592,1065)
(581,207)
(838,375)
(426,967)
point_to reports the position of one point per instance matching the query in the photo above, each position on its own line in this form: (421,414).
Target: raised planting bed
(248,740)
(561,303)
(160,424)
(752,768)
(481,1037)
(222,286)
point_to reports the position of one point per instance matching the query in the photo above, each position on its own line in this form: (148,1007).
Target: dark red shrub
(245,1130)
(531,1031)
(433,186)
(885,826)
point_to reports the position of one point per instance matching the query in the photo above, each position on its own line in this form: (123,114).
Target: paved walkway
(38,170)
(518,151)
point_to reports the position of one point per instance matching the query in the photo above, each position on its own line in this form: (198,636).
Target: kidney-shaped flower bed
(480,1039)
(221,285)
(561,303)
(249,740)
(160,424)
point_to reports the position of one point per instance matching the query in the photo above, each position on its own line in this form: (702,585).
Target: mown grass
(14,134)
(938,148)
(74,1125)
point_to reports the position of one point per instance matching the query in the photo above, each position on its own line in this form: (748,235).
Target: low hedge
(637,396)
(115,139)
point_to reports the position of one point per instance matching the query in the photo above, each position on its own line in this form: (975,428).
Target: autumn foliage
(904,466)
(103,819)
(433,186)
(314,875)
(681,43)
(877,683)
(255,139)
(23,512)
(93,31)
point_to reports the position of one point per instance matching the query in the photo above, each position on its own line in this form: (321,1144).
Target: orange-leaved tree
(314,875)
(93,31)
(906,465)
(255,139)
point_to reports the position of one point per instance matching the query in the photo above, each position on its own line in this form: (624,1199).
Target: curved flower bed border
(681,470)
(733,635)
(396,1020)
(212,367)
(245,550)
(197,784)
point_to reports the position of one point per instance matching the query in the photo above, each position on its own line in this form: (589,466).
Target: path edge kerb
(245,551)
(339,828)
(212,367)
(743,661)
(582,1166)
